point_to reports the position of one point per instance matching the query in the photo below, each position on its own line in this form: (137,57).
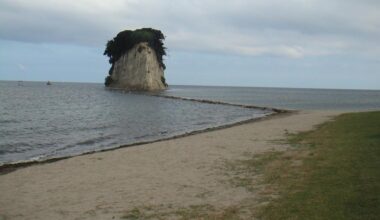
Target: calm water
(39,121)
(301,99)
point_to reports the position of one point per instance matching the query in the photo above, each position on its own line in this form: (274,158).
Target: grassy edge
(333,172)
(314,179)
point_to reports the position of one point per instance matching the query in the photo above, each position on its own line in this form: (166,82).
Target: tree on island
(127,39)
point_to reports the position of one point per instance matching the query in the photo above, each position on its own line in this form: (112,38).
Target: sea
(40,122)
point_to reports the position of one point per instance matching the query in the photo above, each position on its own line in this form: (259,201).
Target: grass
(203,211)
(332,172)
(133,214)
(243,173)
(338,176)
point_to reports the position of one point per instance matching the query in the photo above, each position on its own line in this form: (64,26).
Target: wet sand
(164,175)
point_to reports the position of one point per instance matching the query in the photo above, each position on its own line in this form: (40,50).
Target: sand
(166,175)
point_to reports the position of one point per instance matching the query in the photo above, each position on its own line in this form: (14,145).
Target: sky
(262,43)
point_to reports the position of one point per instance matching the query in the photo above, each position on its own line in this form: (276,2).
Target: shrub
(163,80)
(125,40)
(108,81)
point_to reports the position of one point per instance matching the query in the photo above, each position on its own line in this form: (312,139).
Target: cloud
(294,28)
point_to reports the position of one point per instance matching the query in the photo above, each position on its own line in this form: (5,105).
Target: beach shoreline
(10,167)
(168,174)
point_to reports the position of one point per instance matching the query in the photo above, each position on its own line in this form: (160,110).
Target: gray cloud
(294,28)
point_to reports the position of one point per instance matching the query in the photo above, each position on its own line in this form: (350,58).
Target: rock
(138,69)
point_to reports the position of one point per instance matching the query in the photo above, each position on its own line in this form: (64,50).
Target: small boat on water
(48,83)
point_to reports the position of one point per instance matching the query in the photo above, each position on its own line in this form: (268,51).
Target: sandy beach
(160,177)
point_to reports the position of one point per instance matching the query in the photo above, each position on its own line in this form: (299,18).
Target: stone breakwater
(275,110)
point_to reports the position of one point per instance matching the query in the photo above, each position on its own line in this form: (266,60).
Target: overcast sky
(268,43)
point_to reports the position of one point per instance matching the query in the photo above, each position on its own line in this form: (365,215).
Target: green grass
(242,173)
(203,211)
(332,172)
(339,177)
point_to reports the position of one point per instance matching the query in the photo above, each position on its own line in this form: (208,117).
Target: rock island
(136,59)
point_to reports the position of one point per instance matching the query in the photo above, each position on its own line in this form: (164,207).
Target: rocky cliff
(137,60)
(138,69)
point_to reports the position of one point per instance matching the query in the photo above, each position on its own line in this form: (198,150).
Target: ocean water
(38,122)
(284,98)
